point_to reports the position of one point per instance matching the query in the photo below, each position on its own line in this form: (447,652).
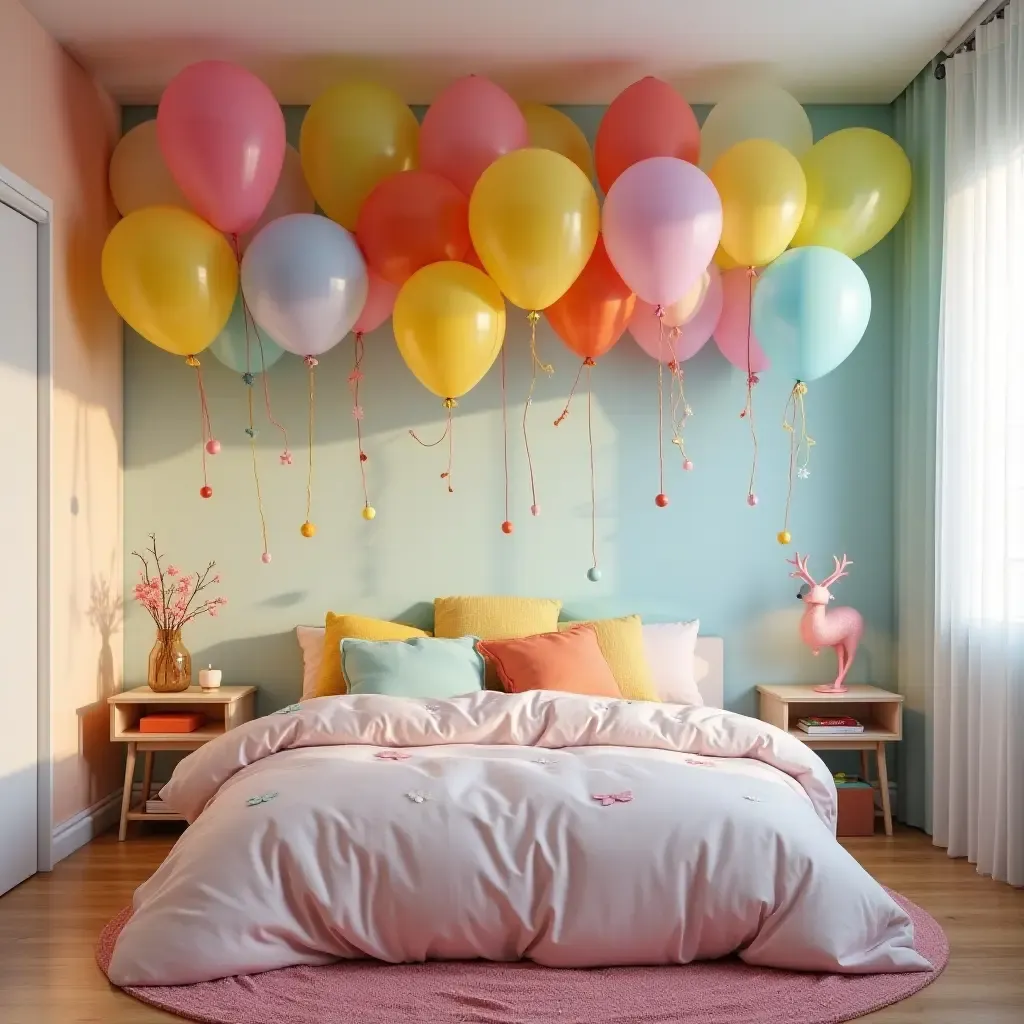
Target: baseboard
(83,827)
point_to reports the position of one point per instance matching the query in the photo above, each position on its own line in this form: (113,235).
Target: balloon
(592,315)
(172,277)
(292,195)
(755,112)
(380,301)
(222,134)
(763,192)
(734,325)
(548,128)
(858,185)
(811,308)
(353,136)
(723,260)
(685,330)
(138,175)
(470,125)
(231,349)
(411,219)
(305,282)
(449,325)
(647,119)
(534,219)
(662,222)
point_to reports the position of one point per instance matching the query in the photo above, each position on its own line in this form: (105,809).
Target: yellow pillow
(495,618)
(331,681)
(622,644)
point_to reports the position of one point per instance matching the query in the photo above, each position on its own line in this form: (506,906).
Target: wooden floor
(48,927)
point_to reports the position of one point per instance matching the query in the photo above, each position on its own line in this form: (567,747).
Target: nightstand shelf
(881,712)
(224,709)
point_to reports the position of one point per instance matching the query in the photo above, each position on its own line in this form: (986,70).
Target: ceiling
(555,51)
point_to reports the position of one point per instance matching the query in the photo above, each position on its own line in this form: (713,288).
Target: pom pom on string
(661,500)
(535,364)
(594,574)
(206,491)
(752,500)
(369,512)
(311,364)
(794,422)
(752,381)
(449,432)
(507,527)
(213,447)
(535,510)
(784,537)
(687,465)
(265,558)
(206,431)
(307,529)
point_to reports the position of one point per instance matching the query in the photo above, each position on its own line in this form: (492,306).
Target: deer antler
(839,572)
(801,569)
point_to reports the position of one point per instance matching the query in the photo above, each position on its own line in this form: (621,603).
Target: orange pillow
(570,661)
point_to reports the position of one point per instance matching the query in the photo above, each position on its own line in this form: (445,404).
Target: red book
(182,721)
(838,720)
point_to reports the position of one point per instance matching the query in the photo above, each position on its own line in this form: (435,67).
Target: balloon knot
(753,380)
(674,333)
(672,367)
(799,388)
(311,361)
(588,361)
(751,271)
(449,403)
(191,361)
(533,316)
(659,311)
(359,335)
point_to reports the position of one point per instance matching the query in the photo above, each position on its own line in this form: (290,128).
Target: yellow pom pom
(307,529)
(783,537)
(369,512)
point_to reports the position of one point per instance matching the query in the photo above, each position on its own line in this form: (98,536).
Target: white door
(18,547)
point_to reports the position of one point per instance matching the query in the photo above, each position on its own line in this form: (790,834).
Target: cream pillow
(671,649)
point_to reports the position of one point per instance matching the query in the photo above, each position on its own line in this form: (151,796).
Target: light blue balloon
(229,346)
(811,308)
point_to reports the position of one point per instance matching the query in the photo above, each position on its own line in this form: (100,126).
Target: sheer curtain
(978,741)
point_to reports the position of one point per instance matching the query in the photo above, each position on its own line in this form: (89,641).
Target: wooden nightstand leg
(126,799)
(865,767)
(883,785)
(147,776)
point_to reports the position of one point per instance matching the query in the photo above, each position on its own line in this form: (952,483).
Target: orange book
(184,721)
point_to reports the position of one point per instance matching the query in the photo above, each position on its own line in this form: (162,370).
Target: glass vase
(170,664)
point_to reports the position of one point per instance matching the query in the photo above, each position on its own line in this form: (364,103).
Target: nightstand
(880,710)
(224,708)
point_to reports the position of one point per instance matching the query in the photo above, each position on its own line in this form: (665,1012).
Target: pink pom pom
(751,499)
(265,557)
(213,447)
(535,510)
(687,465)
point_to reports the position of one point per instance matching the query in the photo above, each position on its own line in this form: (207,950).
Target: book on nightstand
(839,725)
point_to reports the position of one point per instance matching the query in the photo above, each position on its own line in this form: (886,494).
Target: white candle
(209,678)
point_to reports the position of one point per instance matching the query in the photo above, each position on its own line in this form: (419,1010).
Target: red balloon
(467,128)
(380,302)
(592,315)
(411,219)
(649,118)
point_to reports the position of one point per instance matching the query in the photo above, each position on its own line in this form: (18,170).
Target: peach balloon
(138,174)
(686,326)
(734,329)
(292,195)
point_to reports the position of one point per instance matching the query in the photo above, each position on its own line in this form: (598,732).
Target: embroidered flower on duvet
(417,796)
(392,755)
(290,710)
(255,801)
(753,799)
(433,709)
(543,761)
(607,799)
(699,764)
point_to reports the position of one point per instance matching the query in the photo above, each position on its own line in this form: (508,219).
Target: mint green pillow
(420,667)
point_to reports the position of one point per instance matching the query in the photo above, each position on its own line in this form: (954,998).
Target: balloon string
(681,410)
(535,364)
(660,314)
(587,363)
(752,380)
(794,422)
(311,364)
(449,432)
(504,426)
(256,475)
(206,431)
(593,476)
(357,410)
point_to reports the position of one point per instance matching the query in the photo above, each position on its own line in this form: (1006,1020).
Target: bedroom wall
(57,129)
(707,555)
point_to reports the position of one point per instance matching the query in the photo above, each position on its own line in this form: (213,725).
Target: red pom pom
(206,492)
(363,456)
(661,500)
(506,527)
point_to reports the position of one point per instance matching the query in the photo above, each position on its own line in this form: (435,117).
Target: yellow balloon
(354,135)
(551,129)
(858,185)
(138,175)
(171,276)
(724,260)
(534,219)
(763,194)
(449,322)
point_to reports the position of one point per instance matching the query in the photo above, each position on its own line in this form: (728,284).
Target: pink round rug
(477,992)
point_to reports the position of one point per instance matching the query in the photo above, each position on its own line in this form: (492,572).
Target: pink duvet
(569,830)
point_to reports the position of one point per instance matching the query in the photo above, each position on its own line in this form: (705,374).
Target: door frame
(30,202)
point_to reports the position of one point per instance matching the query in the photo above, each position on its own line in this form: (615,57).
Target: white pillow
(311,640)
(670,648)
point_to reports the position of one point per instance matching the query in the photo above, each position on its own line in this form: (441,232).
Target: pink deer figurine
(840,628)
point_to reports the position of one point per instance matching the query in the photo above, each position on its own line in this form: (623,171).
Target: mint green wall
(707,555)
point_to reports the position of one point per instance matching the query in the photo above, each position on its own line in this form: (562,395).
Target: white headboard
(709,668)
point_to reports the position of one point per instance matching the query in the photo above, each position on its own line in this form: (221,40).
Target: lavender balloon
(662,222)
(305,281)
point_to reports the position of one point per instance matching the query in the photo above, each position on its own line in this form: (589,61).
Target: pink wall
(57,128)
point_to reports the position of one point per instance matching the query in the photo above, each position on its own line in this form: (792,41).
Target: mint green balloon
(229,346)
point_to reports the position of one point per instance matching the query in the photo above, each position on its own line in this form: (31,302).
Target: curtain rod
(964,36)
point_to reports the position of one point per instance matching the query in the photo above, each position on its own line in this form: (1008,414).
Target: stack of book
(838,725)
(157,806)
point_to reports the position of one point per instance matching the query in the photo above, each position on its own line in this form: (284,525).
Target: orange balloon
(412,219)
(593,314)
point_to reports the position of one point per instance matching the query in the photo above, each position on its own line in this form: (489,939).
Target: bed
(565,829)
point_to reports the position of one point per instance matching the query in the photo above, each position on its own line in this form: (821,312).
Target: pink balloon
(678,341)
(662,222)
(221,133)
(733,327)
(380,301)
(467,128)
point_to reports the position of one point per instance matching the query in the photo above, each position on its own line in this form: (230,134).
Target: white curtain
(978,741)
